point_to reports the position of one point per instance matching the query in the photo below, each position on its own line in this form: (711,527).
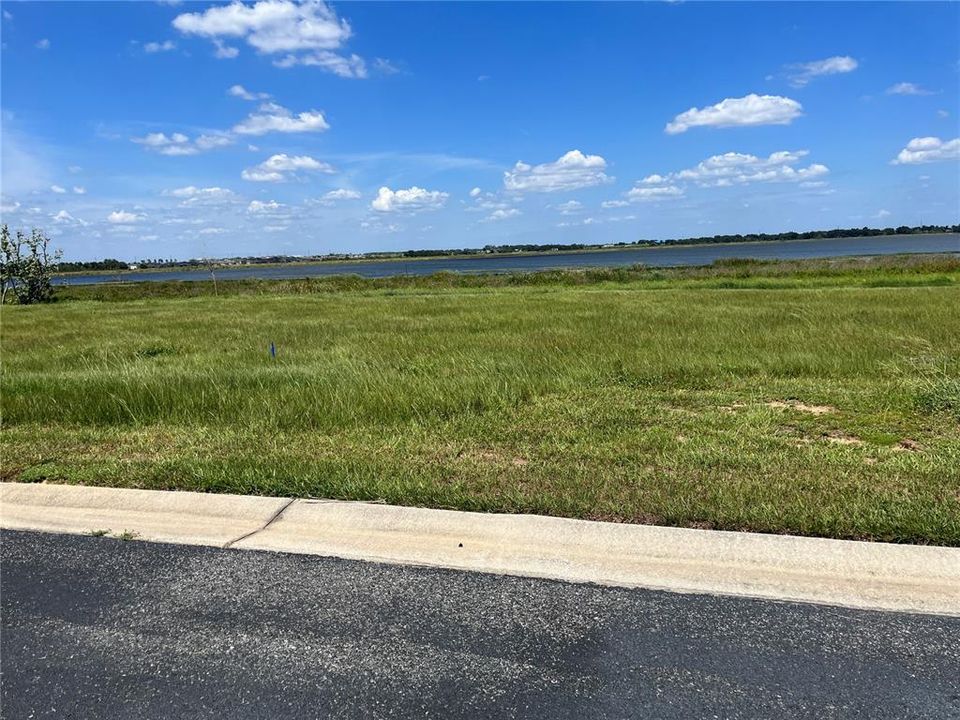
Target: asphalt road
(102,628)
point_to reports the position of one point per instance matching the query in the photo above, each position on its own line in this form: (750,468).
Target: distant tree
(26,265)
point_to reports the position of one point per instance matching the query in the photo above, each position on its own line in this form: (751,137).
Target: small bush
(26,265)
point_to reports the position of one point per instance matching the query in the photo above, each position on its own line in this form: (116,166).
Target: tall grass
(593,400)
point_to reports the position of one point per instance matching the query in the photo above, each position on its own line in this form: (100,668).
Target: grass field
(817,398)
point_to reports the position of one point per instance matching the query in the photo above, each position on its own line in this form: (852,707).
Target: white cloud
(750,110)
(307,32)
(122,217)
(646,194)
(726,170)
(570,207)
(410,200)
(42,44)
(907,88)
(504,214)
(57,189)
(156,47)
(741,169)
(488,201)
(943,114)
(928,149)
(270,25)
(271,117)
(178,144)
(352,66)
(65,218)
(338,195)
(882,214)
(209,142)
(578,223)
(281,167)
(572,171)
(258,206)
(211,231)
(7,15)
(191,195)
(79,190)
(241,92)
(224,52)
(385,67)
(9,206)
(805,72)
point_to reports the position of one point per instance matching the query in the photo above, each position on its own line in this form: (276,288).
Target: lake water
(654,256)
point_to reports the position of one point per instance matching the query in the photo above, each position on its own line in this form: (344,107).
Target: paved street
(102,628)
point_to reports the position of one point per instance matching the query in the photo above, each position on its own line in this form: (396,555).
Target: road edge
(866,575)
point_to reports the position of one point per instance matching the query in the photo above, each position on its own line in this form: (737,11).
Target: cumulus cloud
(728,169)
(741,169)
(307,33)
(485,201)
(335,196)
(927,150)
(157,47)
(271,117)
(410,200)
(281,167)
(42,44)
(502,214)
(752,109)
(191,195)
(122,217)
(259,206)
(907,88)
(179,144)
(572,171)
(803,73)
(241,92)
(57,189)
(79,190)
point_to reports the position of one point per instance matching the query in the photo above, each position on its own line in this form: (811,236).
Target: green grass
(665,396)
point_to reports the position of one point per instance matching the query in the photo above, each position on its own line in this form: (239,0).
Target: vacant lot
(814,399)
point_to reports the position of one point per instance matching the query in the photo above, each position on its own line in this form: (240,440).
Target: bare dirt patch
(801,407)
(908,445)
(842,438)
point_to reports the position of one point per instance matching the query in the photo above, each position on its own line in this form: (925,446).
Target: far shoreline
(480,256)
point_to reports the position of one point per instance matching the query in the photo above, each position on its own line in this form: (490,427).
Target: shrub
(26,265)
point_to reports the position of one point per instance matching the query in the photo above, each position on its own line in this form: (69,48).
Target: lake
(653,256)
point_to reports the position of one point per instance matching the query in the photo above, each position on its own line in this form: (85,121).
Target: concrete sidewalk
(856,574)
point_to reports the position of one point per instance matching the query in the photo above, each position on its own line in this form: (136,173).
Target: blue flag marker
(273,351)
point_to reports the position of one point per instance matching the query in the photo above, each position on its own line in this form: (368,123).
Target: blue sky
(163,129)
